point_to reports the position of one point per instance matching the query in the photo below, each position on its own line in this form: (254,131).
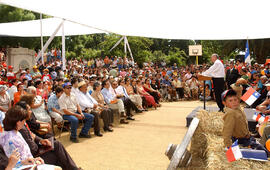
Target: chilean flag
(234,153)
(247,54)
(250,96)
(260,118)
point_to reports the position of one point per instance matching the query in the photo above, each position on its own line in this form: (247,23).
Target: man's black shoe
(139,111)
(74,140)
(84,136)
(108,130)
(122,121)
(130,118)
(98,134)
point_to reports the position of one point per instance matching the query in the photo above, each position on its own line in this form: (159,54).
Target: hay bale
(211,122)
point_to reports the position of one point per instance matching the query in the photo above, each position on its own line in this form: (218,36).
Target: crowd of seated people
(87,91)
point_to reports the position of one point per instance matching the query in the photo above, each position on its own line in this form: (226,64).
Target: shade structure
(172,19)
(32,28)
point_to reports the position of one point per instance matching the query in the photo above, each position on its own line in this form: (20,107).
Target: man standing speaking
(217,72)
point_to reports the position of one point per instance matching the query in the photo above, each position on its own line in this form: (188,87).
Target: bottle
(11,148)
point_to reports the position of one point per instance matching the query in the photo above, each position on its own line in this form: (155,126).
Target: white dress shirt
(122,90)
(216,70)
(85,100)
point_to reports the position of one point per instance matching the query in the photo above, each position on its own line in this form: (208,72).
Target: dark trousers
(96,121)
(156,96)
(129,105)
(218,89)
(144,102)
(60,157)
(107,117)
(180,92)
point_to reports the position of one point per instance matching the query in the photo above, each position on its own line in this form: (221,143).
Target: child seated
(235,123)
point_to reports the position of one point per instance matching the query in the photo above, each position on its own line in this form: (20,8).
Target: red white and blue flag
(247,55)
(250,96)
(234,153)
(260,118)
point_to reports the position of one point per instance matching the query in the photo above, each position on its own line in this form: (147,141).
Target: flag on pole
(234,153)
(247,55)
(260,118)
(250,96)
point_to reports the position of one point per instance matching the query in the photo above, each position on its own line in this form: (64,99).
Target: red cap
(10,67)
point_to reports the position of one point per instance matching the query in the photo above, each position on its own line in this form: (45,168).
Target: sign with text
(195,50)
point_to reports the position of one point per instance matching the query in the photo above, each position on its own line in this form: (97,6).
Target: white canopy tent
(32,28)
(173,19)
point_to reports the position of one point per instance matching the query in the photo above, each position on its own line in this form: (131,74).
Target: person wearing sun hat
(46,76)
(73,113)
(36,74)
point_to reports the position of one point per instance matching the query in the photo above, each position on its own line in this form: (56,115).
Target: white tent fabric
(32,28)
(172,19)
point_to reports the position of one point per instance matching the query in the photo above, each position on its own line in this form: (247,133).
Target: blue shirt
(166,82)
(108,96)
(53,103)
(28,76)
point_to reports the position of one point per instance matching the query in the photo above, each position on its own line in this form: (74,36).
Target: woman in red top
(149,99)
(155,93)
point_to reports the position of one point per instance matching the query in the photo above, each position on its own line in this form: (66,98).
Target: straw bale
(211,122)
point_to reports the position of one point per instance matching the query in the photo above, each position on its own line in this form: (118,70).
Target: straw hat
(81,84)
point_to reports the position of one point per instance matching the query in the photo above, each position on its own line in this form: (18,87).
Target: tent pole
(125,45)
(49,40)
(63,49)
(41,39)
(129,50)
(116,44)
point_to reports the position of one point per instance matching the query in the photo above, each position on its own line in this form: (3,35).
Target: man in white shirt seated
(88,105)
(121,93)
(73,113)
(112,100)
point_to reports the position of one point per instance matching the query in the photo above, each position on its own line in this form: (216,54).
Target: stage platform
(249,113)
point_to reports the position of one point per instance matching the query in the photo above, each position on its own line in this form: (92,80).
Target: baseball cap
(226,93)
(66,84)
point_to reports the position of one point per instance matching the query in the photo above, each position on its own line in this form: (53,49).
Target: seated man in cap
(73,113)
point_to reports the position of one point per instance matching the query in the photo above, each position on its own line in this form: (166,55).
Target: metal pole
(63,49)
(41,40)
(49,40)
(125,45)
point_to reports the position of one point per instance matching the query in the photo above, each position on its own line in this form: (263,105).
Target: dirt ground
(140,145)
